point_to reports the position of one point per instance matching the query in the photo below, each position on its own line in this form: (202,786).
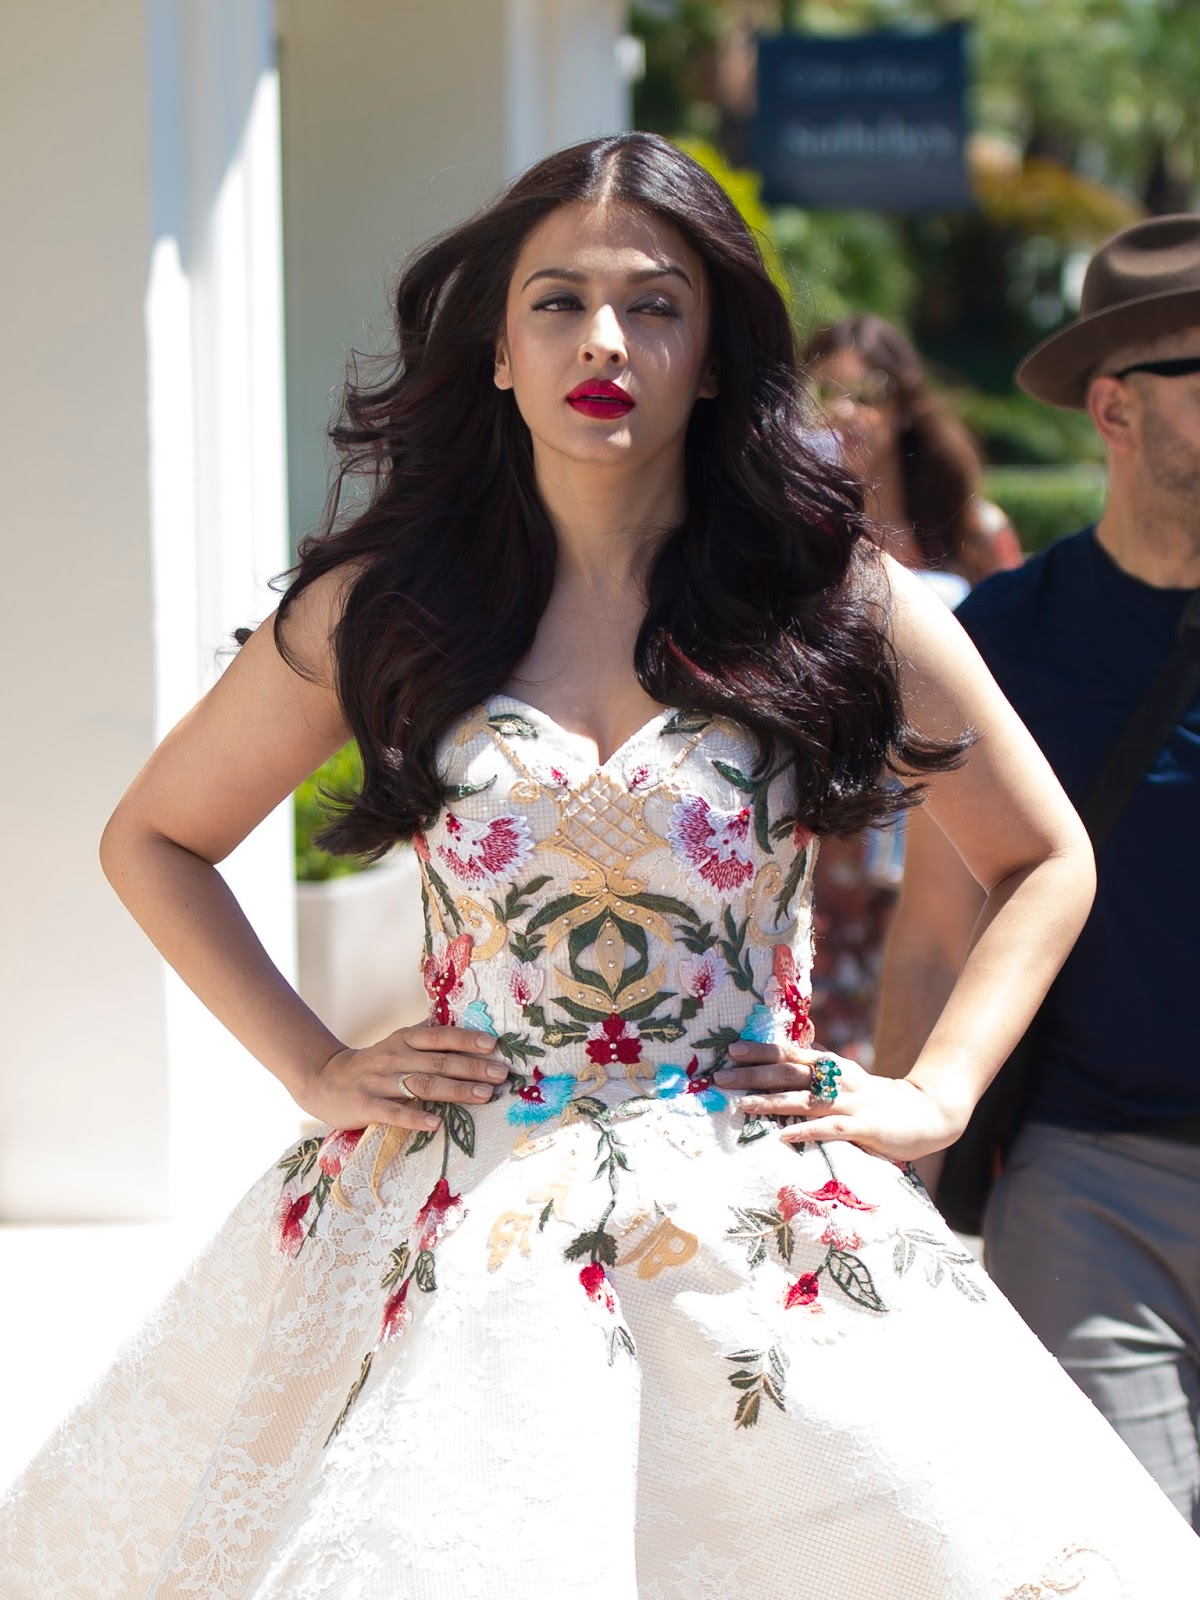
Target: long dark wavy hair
(940,467)
(762,606)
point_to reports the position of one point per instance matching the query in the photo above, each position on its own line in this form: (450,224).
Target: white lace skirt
(633,1358)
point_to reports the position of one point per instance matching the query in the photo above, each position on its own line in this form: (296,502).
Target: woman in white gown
(557,1308)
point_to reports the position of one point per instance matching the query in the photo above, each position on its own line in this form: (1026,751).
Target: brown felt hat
(1141,283)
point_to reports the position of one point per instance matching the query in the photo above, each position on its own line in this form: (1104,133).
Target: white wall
(142,429)
(398,120)
(83,1096)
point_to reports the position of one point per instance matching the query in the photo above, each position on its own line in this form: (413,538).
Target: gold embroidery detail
(476,916)
(664,1246)
(510,1229)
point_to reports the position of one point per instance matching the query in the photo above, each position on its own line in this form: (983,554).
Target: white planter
(359,949)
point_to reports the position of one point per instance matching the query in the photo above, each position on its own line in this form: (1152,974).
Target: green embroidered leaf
(512,725)
(399,1266)
(664,904)
(587,1105)
(718,1041)
(645,1008)
(525,948)
(518,896)
(689,1007)
(684,722)
(625,1339)
(737,777)
(546,1213)
(420,1139)
(587,1014)
(853,1278)
(424,1273)
(300,1161)
(636,1106)
(598,1246)
(464,791)
(746,1414)
(460,1125)
(761,831)
(772,1391)
(783,1239)
(518,1047)
(556,908)
(535,1016)
(753,1128)
(744,1380)
(779,1361)
(903,1255)
(967,1286)
(745,1355)
(781,829)
(443,894)
(935,1272)
(795,875)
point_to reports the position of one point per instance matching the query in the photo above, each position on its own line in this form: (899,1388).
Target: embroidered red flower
(337,1150)
(714,844)
(803,1292)
(291,1223)
(783,995)
(396,1313)
(444,979)
(480,852)
(597,1287)
(420,844)
(439,1213)
(614,1039)
(637,778)
(802,837)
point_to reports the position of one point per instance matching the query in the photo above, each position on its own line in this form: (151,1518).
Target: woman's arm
(1010,823)
(236,755)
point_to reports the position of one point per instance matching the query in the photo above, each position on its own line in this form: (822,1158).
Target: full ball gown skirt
(603,1338)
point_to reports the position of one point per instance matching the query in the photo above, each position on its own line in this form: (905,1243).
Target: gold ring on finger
(402,1085)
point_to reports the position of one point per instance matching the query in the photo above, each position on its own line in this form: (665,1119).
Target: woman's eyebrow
(642,275)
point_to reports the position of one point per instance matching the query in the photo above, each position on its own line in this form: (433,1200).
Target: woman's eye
(659,308)
(558,302)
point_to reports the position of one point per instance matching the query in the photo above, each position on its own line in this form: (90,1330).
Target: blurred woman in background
(921,471)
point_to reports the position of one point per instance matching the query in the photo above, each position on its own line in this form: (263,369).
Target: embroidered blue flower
(760,1026)
(540,1098)
(671,1082)
(478,1017)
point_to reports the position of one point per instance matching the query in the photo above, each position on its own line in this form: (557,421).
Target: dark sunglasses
(1178,368)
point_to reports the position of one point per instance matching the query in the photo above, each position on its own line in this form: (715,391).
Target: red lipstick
(598,398)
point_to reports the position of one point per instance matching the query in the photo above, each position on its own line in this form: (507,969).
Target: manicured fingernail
(483,1041)
(480,1091)
(739,1047)
(498,1072)
(725,1075)
(431,1121)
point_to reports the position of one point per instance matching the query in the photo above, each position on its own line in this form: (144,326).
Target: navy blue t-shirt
(1074,643)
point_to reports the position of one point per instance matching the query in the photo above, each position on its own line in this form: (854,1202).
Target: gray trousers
(1095,1239)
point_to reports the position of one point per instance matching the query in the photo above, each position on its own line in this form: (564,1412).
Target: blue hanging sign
(870,121)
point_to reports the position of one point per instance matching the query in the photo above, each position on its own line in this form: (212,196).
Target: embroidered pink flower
(830,1205)
(700,975)
(337,1150)
(803,1292)
(714,844)
(291,1222)
(802,837)
(614,1039)
(481,852)
(637,777)
(396,1313)
(597,1287)
(438,1215)
(446,979)
(784,998)
(523,981)
(559,778)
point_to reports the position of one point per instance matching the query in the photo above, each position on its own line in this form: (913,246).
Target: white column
(565,81)
(215,331)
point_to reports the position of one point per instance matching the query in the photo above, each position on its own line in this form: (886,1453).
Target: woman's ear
(502,377)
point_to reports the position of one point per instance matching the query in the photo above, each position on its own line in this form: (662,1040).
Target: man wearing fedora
(1093,1228)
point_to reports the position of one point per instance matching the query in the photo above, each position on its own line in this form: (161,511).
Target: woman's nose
(605,342)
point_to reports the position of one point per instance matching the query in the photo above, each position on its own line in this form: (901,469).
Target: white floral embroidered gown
(603,1338)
